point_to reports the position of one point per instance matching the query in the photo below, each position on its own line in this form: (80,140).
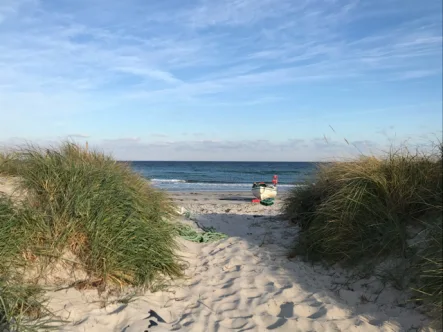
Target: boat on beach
(263,190)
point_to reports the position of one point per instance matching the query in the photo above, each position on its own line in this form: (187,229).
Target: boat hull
(262,192)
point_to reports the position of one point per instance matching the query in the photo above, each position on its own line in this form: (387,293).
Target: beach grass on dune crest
(82,208)
(86,203)
(366,209)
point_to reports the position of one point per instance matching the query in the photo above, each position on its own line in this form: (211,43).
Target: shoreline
(218,198)
(222,189)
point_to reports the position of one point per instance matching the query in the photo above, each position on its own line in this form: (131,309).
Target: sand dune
(245,283)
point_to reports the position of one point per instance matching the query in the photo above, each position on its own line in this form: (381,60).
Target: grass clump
(428,269)
(82,208)
(8,162)
(86,203)
(12,235)
(21,306)
(363,209)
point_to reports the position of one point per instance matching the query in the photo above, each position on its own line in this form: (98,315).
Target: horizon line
(223,161)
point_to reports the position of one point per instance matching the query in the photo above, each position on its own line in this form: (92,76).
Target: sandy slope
(244,283)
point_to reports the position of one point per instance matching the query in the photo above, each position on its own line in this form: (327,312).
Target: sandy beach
(221,165)
(243,283)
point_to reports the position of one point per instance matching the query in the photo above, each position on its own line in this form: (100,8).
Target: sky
(267,80)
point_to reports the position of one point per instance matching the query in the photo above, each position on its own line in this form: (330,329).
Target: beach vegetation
(87,210)
(364,210)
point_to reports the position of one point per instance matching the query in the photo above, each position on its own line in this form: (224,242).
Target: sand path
(243,283)
(246,283)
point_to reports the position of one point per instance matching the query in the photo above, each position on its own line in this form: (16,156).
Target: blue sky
(221,79)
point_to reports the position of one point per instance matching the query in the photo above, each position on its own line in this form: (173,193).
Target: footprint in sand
(313,310)
(152,323)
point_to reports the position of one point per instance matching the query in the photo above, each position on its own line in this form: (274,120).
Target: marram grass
(360,210)
(114,222)
(85,203)
(21,306)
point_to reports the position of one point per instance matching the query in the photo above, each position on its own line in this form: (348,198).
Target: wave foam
(168,181)
(175,183)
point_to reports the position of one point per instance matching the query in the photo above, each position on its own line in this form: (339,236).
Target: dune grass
(22,308)
(114,224)
(21,305)
(7,162)
(12,235)
(363,209)
(428,269)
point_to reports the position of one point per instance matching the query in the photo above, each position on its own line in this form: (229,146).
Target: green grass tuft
(108,216)
(429,269)
(84,203)
(362,210)
(21,306)
(12,235)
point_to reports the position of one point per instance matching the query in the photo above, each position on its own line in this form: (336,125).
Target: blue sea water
(221,176)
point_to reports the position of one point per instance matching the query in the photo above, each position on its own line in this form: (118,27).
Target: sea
(222,176)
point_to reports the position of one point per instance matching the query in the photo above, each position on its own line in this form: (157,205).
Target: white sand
(245,283)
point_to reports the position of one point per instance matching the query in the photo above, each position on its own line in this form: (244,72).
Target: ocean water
(221,176)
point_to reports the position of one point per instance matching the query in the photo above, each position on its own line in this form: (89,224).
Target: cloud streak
(292,149)
(63,51)
(86,63)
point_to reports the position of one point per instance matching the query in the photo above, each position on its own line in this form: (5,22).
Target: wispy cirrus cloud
(62,50)
(94,61)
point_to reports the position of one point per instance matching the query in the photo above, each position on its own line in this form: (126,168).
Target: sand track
(246,283)
(243,283)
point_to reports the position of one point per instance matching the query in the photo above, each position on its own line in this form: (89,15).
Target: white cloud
(78,136)
(82,57)
(294,149)
(288,150)
(237,12)
(158,135)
